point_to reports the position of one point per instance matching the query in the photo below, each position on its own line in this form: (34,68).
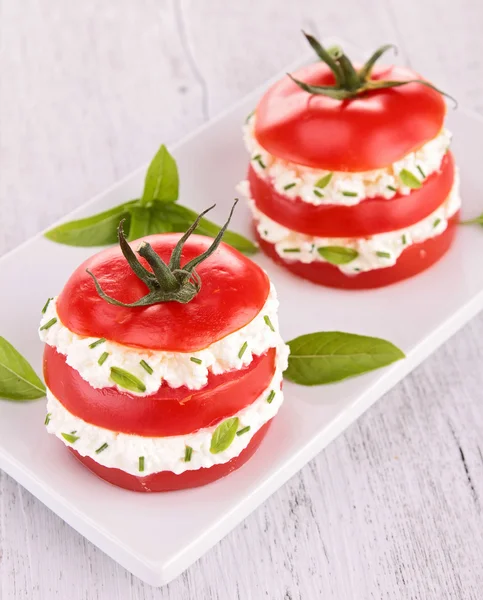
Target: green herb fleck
(258,158)
(102,358)
(97,343)
(44,310)
(198,361)
(242,349)
(383,254)
(271,396)
(291,249)
(409,179)
(49,324)
(244,430)
(437,222)
(324,181)
(289,186)
(102,448)
(47,418)
(350,194)
(318,194)
(127,380)
(146,367)
(421,171)
(187,453)
(249,116)
(404,239)
(266,318)
(141,464)
(392,188)
(338,255)
(68,437)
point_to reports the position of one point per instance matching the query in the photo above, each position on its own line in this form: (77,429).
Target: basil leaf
(224,435)
(147,220)
(178,218)
(409,179)
(127,380)
(324,181)
(329,356)
(18,381)
(98,230)
(338,255)
(162,181)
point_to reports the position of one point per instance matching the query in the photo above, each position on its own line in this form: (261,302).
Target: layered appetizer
(163,366)
(351,182)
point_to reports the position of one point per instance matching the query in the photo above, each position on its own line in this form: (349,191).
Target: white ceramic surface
(158,536)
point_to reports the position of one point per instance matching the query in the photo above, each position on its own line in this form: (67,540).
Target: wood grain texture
(393,508)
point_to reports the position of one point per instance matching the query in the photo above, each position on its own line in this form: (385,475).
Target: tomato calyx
(166,282)
(349,82)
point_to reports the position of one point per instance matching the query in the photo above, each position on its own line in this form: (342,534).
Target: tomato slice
(413,260)
(169,411)
(167,481)
(369,217)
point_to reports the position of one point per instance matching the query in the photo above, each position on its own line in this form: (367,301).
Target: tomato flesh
(370,131)
(167,412)
(167,481)
(413,260)
(234,290)
(369,217)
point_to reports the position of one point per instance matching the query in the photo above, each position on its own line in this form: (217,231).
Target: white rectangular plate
(157,536)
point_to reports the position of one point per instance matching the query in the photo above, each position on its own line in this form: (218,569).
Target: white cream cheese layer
(122,451)
(375,252)
(347,189)
(175,368)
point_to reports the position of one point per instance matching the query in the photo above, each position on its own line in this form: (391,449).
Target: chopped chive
(291,249)
(187,453)
(73,432)
(102,358)
(383,254)
(47,418)
(141,464)
(318,194)
(127,380)
(244,430)
(198,361)
(404,239)
(49,324)
(97,343)
(350,194)
(242,349)
(258,158)
(249,117)
(437,222)
(356,269)
(265,232)
(68,437)
(146,367)
(266,318)
(392,188)
(271,396)
(289,186)
(421,171)
(44,310)
(102,448)
(324,181)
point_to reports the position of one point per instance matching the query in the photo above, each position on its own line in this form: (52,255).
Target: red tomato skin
(167,481)
(368,132)
(169,411)
(234,290)
(413,260)
(369,217)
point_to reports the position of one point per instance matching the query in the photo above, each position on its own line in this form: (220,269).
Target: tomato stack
(163,372)
(351,182)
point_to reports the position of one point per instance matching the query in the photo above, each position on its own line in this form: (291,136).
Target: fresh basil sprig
(155,212)
(330,356)
(18,381)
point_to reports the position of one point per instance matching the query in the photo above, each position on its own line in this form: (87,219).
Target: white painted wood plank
(88,90)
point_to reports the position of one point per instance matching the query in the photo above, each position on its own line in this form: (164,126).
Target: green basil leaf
(409,179)
(98,230)
(324,181)
(178,218)
(18,381)
(338,255)
(127,380)
(147,220)
(329,356)
(224,435)
(162,181)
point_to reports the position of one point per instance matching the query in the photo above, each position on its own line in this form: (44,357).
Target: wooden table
(88,90)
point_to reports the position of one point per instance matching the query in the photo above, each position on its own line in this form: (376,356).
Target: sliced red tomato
(166,481)
(167,412)
(369,217)
(233,291)
(413,260)
(370,131)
